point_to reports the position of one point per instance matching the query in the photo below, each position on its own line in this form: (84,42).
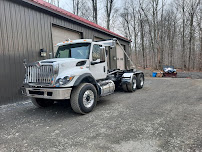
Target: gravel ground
(193,75)
(165,116)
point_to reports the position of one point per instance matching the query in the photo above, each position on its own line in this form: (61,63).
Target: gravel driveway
(166,115)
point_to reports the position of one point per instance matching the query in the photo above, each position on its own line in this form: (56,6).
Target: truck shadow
(63,108)
(60,110)
(57,110)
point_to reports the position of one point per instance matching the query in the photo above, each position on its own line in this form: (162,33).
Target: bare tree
(149,23)
(109,5)
(199,24)
(76,6)
(95,11)
(193,7)
(161,53)
(126,16)
(135,28)
(183,34)
(82,8)
(142,37)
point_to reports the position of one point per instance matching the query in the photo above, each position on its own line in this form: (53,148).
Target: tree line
(163,32)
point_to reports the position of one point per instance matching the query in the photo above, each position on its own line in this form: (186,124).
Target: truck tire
(83,98)
(130,87)
(140,81)
(42,103)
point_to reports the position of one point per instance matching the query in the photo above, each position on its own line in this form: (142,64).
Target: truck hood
(70,62)
(67,66)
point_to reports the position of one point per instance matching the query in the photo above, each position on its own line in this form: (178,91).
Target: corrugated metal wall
(24,30)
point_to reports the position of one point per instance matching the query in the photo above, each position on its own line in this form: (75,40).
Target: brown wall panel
(22,46)
(2,67)
(5,37)
(12,48)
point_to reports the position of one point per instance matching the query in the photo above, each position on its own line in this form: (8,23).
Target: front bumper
(47,93)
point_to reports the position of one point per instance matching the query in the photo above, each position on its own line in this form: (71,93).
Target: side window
(96,52)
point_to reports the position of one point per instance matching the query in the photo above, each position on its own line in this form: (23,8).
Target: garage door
(97,39)
(62,34)
(120,58)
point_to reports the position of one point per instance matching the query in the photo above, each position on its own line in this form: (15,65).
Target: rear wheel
(83,98)
(130,87)
(140,81)
(42,103)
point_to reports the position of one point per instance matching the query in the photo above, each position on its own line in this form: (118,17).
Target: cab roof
(74,41)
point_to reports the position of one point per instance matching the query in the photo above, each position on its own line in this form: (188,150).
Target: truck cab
(78,72)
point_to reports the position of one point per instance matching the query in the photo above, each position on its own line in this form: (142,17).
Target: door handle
(104,68)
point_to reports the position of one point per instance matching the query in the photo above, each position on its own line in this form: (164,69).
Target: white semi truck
(78,72)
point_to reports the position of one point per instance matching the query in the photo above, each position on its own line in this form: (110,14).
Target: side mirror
(25,63)
(95,62)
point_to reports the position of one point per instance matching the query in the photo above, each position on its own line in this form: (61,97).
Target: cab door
(98,65)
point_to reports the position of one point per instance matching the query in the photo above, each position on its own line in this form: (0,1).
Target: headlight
(63,81)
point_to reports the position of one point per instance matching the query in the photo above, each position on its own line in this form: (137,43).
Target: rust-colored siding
(24,30)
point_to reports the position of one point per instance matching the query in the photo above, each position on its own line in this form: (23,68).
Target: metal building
(27,26)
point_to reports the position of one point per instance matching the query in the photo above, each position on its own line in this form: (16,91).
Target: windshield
(77,51)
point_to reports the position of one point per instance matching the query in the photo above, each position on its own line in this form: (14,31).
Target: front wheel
(42,103)
(83,98)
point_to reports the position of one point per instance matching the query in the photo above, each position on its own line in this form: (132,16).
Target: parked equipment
(169,71)
(78,72)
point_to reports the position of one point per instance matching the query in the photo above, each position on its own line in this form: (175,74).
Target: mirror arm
(92,63)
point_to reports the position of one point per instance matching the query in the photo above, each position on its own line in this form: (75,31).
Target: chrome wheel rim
(141,81)
(134,84)
(88,98)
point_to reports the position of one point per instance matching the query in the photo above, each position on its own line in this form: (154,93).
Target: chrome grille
(42,74)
